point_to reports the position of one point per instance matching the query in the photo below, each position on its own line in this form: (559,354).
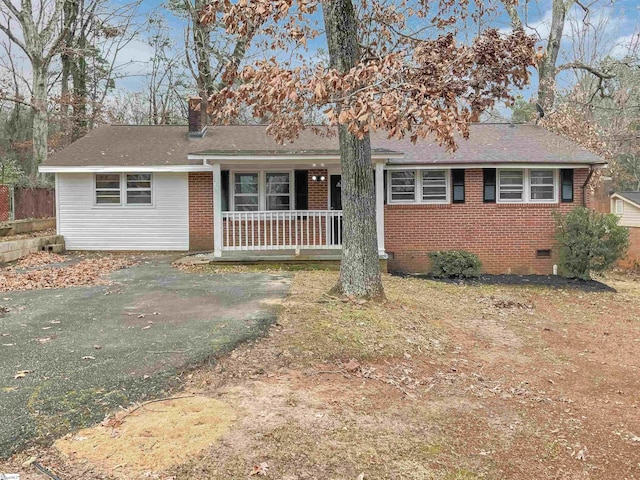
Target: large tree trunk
(547,65)
(80,91)
(40,121)
(360,267)
(547,70)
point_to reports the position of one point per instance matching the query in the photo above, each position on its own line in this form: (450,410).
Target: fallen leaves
(21,374)
(84,273)
(38,259)
(260,469)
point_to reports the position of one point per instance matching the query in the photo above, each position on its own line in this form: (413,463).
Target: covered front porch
(257,214)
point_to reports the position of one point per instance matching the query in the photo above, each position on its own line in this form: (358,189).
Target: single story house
(627,206)
(235,192)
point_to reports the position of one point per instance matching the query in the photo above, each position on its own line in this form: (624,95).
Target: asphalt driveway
(84,351)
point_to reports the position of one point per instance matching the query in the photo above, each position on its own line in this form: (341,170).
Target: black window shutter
(457,180)
(489,183)
(302,189)
(224,178)
(566,185)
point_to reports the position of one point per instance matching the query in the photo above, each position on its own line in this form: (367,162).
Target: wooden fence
(18,203)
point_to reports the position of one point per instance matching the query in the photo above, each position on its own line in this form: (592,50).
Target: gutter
(584,186)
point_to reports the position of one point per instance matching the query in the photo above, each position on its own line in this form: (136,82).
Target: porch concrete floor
(263,256)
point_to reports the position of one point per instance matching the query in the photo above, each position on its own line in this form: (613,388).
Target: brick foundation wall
(200,211)
(318,191)
(504,236)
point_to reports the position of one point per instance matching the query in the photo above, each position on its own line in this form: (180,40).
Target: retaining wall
(15,249)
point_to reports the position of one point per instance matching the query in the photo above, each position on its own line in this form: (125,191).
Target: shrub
(454,263)
(589,242)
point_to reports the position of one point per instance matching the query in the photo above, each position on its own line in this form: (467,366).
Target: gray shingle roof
(632,196)
(169,145)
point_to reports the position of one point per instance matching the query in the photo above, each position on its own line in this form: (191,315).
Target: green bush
(589,242)
(454,263)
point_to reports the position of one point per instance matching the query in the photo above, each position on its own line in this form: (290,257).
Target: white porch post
(380,208)
(217,210)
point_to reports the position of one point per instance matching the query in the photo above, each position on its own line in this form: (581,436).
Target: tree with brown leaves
(397,66)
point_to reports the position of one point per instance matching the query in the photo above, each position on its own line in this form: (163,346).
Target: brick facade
(632,259)
(504,236)
(200,211)
(318,191)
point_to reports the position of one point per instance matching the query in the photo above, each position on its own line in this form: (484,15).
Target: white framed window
(619,207)
(511,185)
(542,185)
(278,191)
(123,189)
(253,191)
(246,192)
(138,187)
(434,186)
(402,186)
(536,185)
(107,189)
(418,186)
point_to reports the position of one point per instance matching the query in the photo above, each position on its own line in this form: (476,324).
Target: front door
(336,204)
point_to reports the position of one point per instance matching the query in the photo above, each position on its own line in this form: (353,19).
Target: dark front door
(336,204)
(336,192)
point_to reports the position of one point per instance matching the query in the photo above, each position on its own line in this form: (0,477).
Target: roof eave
(124,168)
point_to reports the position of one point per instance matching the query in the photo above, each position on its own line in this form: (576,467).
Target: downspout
(584,187)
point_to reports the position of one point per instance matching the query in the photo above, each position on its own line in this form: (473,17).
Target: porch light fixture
(317,178)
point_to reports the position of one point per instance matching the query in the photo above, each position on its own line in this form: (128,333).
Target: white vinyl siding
(164,225)
(630,215)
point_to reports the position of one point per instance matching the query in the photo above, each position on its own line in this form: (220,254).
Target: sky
(618,22)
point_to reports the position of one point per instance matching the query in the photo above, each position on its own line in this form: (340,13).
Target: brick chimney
(197,117)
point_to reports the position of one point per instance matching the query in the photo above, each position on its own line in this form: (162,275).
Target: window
(457,181)
(245,192)
(511,185)
(489,185)
(107,189)
(434,186)
(138,189)
(418,186)
(619,206)
(542,185)
(566,182)
(278,191)
(403,186)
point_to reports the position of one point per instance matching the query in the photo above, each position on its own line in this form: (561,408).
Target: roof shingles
(169,145)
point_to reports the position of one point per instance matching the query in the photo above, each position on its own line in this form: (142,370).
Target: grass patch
(322,328)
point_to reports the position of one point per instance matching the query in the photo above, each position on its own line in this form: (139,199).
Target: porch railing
(282,230)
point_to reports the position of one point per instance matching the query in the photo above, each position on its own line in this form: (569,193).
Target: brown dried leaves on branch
(404,84)
(86,272)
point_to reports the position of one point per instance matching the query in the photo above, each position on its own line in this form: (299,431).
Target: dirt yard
(442,381)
